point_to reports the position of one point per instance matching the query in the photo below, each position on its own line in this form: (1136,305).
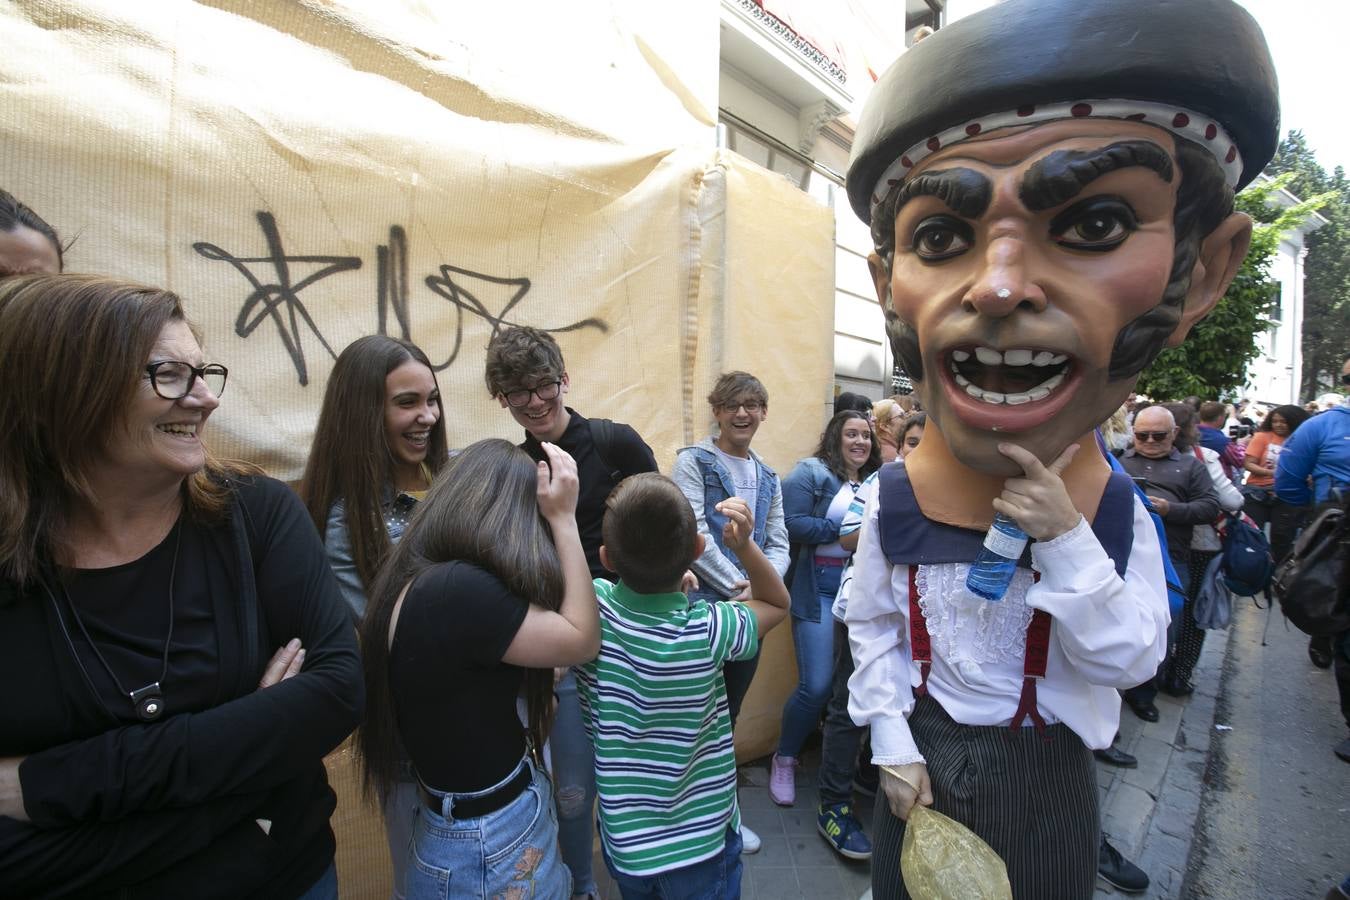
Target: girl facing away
(487,592)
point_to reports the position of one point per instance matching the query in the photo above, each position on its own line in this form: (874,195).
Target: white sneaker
(750,842)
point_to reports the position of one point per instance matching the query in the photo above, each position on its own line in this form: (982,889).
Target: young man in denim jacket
(711,471)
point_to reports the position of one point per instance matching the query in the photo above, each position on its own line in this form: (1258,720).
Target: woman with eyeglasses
(379,442)
(154,741)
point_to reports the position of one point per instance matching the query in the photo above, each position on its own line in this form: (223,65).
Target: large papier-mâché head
(1050,189)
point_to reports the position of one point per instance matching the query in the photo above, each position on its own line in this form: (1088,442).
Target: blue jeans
(814,645)
(573,758)
(325,888)
(717,878)
(510,852)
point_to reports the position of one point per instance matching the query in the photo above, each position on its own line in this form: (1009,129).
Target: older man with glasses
(1181,490)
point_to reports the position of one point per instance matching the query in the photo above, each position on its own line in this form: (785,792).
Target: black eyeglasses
(1157,437)
(750,406)
(549,390)
(173,380)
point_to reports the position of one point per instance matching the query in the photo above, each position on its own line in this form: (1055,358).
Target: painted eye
(1098,225)
(941,237)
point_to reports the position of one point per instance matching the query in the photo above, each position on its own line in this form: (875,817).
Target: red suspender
(1035,656)
(921,648)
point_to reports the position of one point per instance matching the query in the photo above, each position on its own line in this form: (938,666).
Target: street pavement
(1275,813)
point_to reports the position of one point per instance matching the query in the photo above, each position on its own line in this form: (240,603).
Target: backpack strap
(602,436)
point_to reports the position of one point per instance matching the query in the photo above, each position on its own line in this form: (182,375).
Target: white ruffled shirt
(1108,633)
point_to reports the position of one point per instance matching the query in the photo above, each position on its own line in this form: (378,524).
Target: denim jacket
(808,491)
(337,543)
(706,482)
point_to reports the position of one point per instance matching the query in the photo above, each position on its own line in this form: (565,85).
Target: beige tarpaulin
(307,173)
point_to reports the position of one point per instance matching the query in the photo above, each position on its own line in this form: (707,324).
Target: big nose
(1005,283)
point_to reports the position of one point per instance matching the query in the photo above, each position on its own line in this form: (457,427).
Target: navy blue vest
(908,537)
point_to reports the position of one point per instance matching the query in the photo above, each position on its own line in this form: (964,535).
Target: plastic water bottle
(993,569)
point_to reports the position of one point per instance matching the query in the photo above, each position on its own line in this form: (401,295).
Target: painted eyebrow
(965,191)
(1063,174)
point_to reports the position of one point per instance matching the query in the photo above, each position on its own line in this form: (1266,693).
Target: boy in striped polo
(655,698)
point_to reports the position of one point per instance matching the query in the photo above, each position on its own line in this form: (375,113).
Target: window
(1277,302)
(766,152)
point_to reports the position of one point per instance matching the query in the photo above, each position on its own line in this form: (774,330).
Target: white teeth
(1038,393)
(975,392)
(961,380)
(1043,358)
(1017,357)
(993,397)
(989,356)
(1017,399)
(1058,358)
(960,355)
(1052,383)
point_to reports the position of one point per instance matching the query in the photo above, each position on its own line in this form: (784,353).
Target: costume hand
(1038,501)
(558,485)
(1161,505)
(742,588)
(285,663)
(689,583)
(904,786)
(740,523)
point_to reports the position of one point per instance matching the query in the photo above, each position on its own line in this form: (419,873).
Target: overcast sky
(1310,40)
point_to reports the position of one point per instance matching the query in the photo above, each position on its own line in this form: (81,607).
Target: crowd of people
(589,641)
(188,638)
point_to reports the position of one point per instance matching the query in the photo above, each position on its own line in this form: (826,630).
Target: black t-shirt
(131,636)
(627,454)
(454,698)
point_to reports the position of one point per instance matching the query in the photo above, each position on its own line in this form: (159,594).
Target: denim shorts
(511,852)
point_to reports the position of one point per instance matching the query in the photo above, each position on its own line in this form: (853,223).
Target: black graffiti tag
(452,284)
(279,300)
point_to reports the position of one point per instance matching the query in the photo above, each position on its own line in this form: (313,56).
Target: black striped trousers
(1034,801)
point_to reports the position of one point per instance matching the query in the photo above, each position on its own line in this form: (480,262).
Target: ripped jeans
(573,759)
(512,852)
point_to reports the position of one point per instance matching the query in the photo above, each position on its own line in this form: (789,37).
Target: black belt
(477,807)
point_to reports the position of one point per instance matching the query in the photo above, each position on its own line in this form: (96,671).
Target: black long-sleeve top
(170,808)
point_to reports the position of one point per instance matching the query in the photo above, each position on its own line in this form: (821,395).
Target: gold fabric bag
(941,859)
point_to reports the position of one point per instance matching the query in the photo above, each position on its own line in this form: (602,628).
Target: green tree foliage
(1326,282)
(1213,360)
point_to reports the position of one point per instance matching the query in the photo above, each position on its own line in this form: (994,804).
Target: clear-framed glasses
(549,390)
(173,379)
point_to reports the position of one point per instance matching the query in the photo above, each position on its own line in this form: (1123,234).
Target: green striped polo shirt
(656,706)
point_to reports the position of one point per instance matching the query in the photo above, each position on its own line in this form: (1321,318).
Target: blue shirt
(1318,449)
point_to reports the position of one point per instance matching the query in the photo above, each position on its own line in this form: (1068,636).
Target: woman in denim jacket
(379,443)
(816,495)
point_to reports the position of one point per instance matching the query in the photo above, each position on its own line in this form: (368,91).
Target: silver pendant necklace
(147,701)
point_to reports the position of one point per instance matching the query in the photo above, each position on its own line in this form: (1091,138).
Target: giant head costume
(1049,185)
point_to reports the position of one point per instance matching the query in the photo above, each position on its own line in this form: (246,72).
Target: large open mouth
(417,438)
(1013,377)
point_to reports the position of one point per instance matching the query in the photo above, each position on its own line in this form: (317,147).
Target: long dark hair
(482,510)
(1293,416)
(350,459)
(829,453)
(73,350)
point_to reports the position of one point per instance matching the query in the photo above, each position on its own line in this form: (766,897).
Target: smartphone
(1140,481)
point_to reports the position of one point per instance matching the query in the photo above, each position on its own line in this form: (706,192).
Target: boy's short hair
(649,533)
(733,385)
(1212,411)
(518,353)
